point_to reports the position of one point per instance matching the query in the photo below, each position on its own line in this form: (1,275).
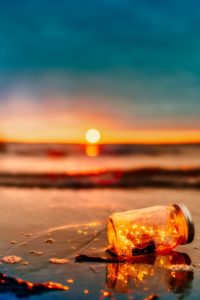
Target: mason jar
(155,229)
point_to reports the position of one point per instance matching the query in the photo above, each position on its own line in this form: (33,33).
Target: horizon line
(143,137)
(3,142)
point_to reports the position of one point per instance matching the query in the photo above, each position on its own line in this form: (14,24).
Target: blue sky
(139,59)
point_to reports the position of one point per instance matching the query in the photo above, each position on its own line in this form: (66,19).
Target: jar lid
(188,218)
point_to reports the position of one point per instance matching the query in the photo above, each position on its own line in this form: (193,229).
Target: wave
(135,178)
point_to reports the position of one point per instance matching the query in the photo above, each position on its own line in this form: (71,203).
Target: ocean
(71,166)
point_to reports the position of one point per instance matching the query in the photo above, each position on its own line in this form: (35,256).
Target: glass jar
(154,229)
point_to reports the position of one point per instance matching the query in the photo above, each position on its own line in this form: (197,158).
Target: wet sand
(38,225)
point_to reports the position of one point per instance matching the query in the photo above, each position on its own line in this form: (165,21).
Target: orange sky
(107,136)
(23,120)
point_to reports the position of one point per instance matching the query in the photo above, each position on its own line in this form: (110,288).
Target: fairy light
(120,276)
(158,228)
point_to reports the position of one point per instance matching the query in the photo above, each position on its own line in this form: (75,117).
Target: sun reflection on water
(92,150)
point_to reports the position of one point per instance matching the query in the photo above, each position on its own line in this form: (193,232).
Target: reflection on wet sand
(150,272)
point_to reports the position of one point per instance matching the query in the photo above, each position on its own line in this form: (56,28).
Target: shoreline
(154,177)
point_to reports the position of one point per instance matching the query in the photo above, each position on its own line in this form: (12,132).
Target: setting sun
(93,136)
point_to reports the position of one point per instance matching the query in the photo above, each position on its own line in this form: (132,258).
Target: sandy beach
(38,225)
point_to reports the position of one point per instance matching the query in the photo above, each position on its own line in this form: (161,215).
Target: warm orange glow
(50,121)
(120,277)
(92,150)
(60,135)
(93,136)
(25,286)
(70,280)
(145,231)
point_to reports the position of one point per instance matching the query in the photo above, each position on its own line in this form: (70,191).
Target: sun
(92,136)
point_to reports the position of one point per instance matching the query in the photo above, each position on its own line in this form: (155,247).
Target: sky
(129,68)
